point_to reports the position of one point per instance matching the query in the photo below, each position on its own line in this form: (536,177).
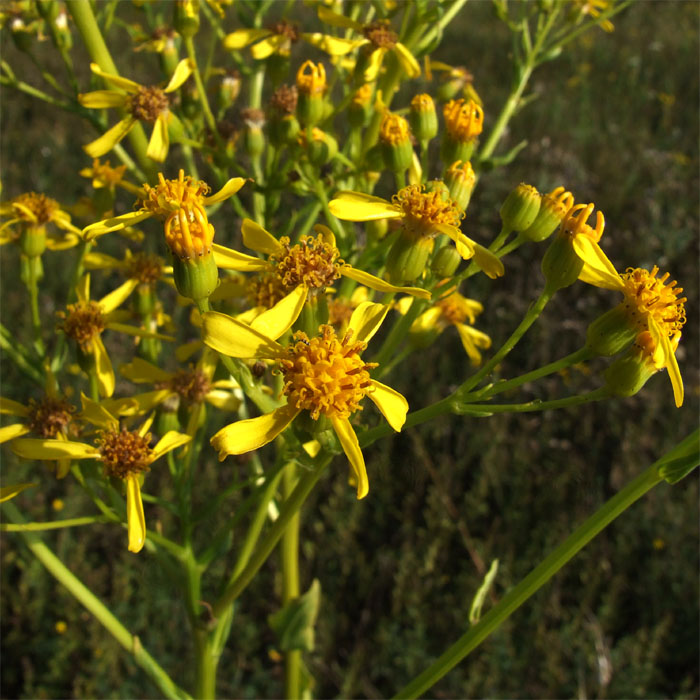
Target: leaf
(294,623)
(681,460)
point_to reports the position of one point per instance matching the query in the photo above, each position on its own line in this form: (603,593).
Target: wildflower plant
(339,244)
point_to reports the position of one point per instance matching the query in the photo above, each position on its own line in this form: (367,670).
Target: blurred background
(616,122)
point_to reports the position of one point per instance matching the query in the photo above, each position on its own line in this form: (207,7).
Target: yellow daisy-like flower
(178,203)
(148,104)
(85,320)
(310,266)
(145,268)
(324,376)
(423,215)
(377,39)
(103,175)
(125,454)
(29,214)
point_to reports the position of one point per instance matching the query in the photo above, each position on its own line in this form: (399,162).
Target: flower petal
(242,37)
(597,269)
(103,368)
(326,233)
(489,263)
(183,70)
(223,400)
(332,45)
(228,190)
(97,414)
(140,371)
(31,448)
(357,206)
(13,408)
(123,83)
(136,520)
(351,447)
(379,284)
(472,340)
(235,339)
(374,65)
(159,143)
(170,441)
(114,223)
(8,492)
(258,239)
(82,289)
(117,297)
(670,362)
(252,433)
(407,60)
(281,317)
(229,259)
(110,138)
(10,432)
(102,99)
(269,45)
(366,319)
(391,403)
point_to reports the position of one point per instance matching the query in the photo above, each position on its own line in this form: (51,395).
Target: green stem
(533,582)
(33,288)
(206,109)
(291,506)
(95,606)
(481,409)
(54,524)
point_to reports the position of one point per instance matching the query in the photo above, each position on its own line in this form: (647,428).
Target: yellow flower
(310,266)
(149,104)
(423,215)
(125,454)
(464,121)
(172,201)
(145,268)
(85,320)
(104,175)
(323,376)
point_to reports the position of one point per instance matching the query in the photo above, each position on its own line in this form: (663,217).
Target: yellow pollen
(82,322)
(311,78)
(189,234)
(49,417)
(191,384)
(312,262)
(124,453)
(647,295)
(381,34)
(574,223)
(148,104)
(325,375)
(265,289)
(394,129)
(145,268)
(35,208)
(464,121)
(424,209)
(170,195)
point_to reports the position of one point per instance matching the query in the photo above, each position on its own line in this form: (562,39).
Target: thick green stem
(95,606)
(533,582)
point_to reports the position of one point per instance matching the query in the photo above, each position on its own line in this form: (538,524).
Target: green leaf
(478,602)
(294,623)
(681,460)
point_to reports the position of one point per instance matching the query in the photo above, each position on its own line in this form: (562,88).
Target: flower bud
(446,261)
(464,121)
(553,208)
(407,258)
(32,240)
(395,141)
(360,107)
(229,89)
(311,86)
(520,208)
(560,264)
(460,180)
(611,333)
(253,137)
(195,278)
(22,34)
(321,149)
(423,118)
(186,17)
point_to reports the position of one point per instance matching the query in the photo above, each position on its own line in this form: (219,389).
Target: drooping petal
(102,99)
(326,233)
(490,264)
(281,317)
(333,45)
(335,19)
(97,414)
(235,339)
(140,371)
(247,435)
(379,284)
(8,492)
(13,408)
(351,447)
(374,65)
(228,190)
(64,242)
(357,206)
(170,441)
(472,340)
(407,60)
(465,246)
(242,37)
(146,425)
(267,46)
(82,289)
(669,358)
(10,432)
(223,400)
(258,239)
(103,368)
(183,70)
(391,403)
(229,259)
(123,83)
(597,268)
(138,404)
(114,223)
(159,143)
(110,139)
(32,448)
(117,297)
(366,319)
(184,352)
(135,518)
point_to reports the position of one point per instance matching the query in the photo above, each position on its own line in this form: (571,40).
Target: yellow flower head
(144,267)
(363,95)
(424,211)
(49,417)
(83,322)
(574,223)
(464,121)
(311,78)
(168,196)
(312,262)
(325,375)
(103,174)
(35,208)
(124,453)
(394,129)
(265,289)
(191,385)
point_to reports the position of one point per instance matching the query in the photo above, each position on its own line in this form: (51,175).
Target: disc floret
(313,262)
(125,453)
(83,322)
(424,210)
(49,417)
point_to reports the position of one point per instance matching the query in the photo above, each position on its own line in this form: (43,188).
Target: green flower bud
(520,208)
(360,107)
(553,209)
(311,85)
(628,374)
(446,261)
(451,150)
(253,137)
(460,179)
(32,240)
(395,142)
(186,17)
(195,278)
(322,148)
(423,117)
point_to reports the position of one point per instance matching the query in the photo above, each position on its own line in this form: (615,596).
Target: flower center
(82,322)
(312,262)
(647,295)
(394,129)
(148,103)
(286,29)
(191,384)
(326,374)
(170,195)
(49,417)
(35,208)
(284,100)
(265,289)
(145,268)
(124,453)
(423,209)
(463,120)
(381,34)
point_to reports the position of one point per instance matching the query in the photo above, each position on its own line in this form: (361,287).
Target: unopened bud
(186,17)
(460,179)
(423,117)
(446,261)
(553,209)
(408,257)
(520,208)
(396,144)
(311,86)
